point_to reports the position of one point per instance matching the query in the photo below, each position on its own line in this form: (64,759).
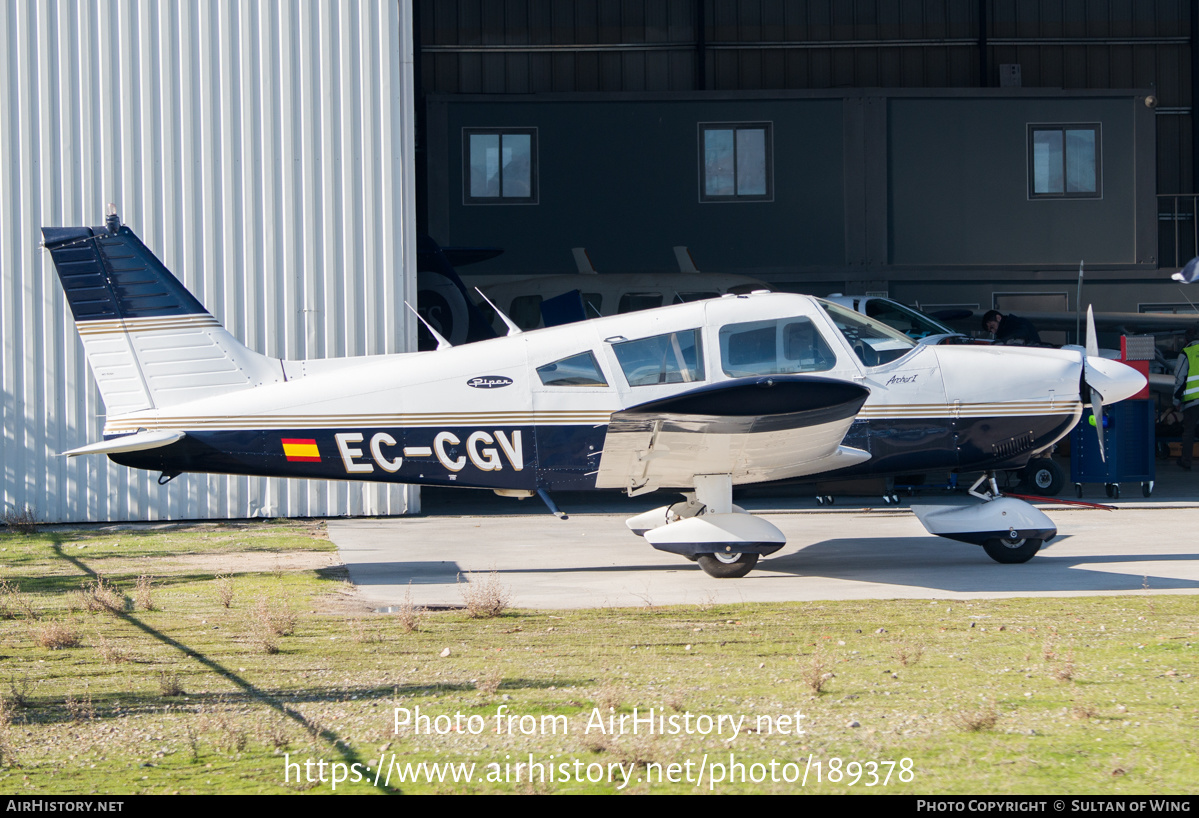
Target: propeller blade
(1097,415)
(1092,338)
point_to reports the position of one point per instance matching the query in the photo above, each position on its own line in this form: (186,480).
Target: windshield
(911,323)
(872,341)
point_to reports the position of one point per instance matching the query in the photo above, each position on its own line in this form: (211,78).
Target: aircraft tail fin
(149,342)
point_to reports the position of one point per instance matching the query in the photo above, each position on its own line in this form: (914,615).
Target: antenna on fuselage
(512,328)
(583,261)
(684,259)
(1078,307)
(442,343)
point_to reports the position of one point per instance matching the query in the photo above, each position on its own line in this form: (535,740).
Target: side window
(525,311)
(577,370)
(676,357)
(1064,162)
(592,303)
(499,165)
(634,302)
(736,162)
(687,298)
(777,347)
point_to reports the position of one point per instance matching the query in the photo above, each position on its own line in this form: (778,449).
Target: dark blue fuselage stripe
(564,457)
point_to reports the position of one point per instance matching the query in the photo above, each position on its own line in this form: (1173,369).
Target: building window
(736,162)
(499,165)
(1064,162)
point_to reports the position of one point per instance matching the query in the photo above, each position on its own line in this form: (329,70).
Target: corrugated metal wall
(264,151)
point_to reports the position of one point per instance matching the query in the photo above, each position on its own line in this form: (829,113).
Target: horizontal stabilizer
(129,443)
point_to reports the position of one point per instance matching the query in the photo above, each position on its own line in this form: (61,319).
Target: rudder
(149,342)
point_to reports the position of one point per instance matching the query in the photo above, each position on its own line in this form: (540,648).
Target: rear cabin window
(777,347)
(577,370)
(635,302)
(525,311)
(592,304)
(676,357)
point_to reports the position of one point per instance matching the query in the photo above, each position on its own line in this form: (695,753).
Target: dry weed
(23,521)
(484,598)
(908,654)
(82,709)
(8,751)
(408,613)
(110,653)
(1084,711)
(490,682)
(193,743)
(234,737)
(55,635)
(609,695)
(978,720)
(364,633)
(270,619)
(275,616)
(99,596)
(1065,671)
(18,692)
(143,593)
(168,684)
(13,603)
(224,589)
(275,734)
(817,674)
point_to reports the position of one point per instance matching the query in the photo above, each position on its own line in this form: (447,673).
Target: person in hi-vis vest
(1186,394)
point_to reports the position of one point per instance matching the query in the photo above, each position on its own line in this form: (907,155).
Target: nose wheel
(1012,551)
(723,565)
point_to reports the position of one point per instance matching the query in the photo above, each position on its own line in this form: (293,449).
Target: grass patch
(1078,695)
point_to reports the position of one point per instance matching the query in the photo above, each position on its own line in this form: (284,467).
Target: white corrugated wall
(264,151)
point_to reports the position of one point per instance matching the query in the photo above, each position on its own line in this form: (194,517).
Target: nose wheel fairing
(1002,518)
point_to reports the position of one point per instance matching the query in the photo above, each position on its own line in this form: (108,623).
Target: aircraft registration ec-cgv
(694,398)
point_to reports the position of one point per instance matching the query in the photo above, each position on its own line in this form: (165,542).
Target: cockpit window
(776,347)
(577,370)
(909,322)
(872,341)
(676,357)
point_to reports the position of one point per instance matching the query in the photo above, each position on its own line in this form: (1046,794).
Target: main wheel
(1011,552)
(1045,476)
(728,566)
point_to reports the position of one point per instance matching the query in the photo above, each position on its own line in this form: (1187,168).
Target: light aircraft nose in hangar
(694,398)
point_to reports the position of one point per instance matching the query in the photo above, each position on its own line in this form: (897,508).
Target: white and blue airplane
(695,398)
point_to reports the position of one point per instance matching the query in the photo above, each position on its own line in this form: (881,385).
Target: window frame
(500,199)
(768,128)
(542,371)
(627,365)
(1035,127)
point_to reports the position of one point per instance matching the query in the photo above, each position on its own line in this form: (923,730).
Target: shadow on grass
(250,691)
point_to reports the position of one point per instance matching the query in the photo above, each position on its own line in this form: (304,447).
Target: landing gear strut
(708,528)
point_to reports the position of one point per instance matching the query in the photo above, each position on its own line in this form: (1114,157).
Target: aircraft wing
(755,429)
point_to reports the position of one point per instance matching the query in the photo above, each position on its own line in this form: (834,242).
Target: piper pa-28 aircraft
(696,398)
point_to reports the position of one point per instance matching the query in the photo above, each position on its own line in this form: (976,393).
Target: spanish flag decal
(301,449)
